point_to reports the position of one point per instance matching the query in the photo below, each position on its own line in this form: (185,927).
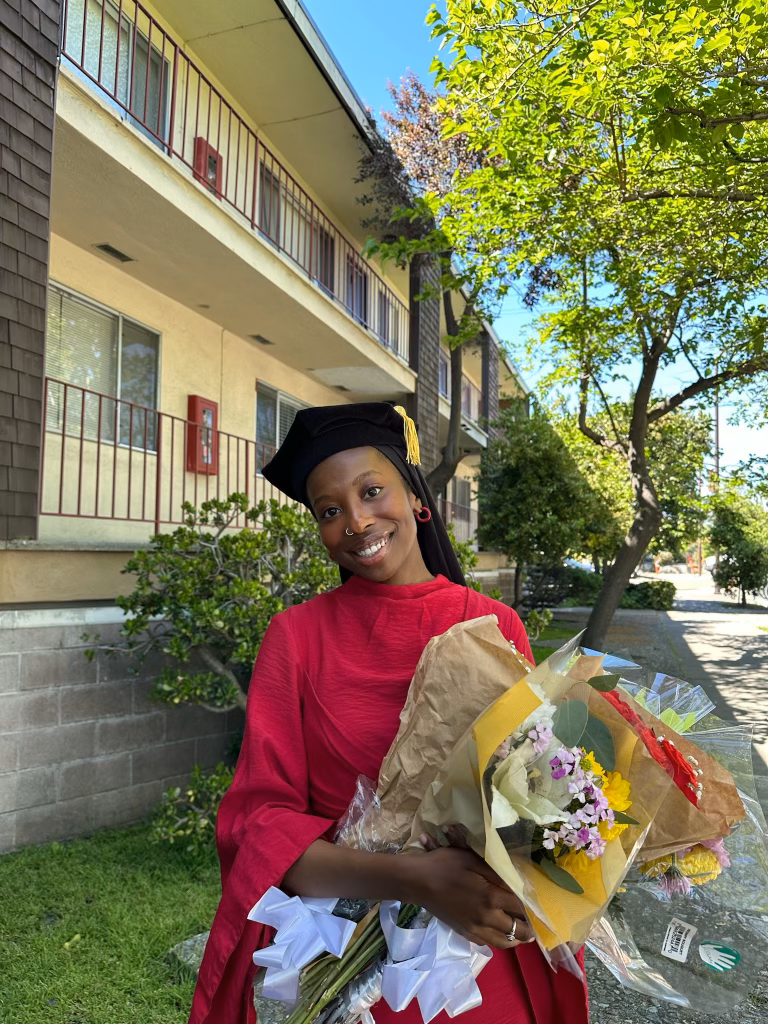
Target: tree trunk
(444,471)
(517,594)
(743,598)
(644,527)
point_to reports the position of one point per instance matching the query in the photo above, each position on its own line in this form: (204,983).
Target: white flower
(513,797)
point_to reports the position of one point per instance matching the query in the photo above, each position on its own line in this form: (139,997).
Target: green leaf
(559,876)
(624,819)
(597,738)
(570,721)
(604,683)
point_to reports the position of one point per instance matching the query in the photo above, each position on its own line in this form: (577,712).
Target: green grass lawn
(551,639)
(85,926)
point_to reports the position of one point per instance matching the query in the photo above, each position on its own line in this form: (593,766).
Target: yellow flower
(616,792)
(579,866)
(590,764)
(655,868)
(609,832)
(699,865)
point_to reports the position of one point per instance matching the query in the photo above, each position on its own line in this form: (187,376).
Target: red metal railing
(104,458)
(122,49)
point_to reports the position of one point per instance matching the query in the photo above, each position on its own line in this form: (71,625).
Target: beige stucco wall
(198,357)
(47,577)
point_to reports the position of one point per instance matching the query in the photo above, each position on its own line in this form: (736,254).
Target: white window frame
(125,110)
(121,319)
(282,396)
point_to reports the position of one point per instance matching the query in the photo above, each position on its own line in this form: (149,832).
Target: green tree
(555,101)
(648,99)
(415,157)
(739,533)
(205,593)
(678,446)
(534,503)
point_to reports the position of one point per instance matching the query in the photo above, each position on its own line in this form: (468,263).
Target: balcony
(141,73)
(129,469)
(473,434)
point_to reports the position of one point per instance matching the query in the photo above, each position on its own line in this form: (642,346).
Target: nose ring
(349,533)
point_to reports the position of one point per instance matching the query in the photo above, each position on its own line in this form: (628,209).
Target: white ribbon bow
(435,964)
(305,928)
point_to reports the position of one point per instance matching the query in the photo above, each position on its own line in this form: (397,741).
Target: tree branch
(714,122)
(609,410)
(693,193)
(216,666)
(743,159)
(595,436)
(746,369)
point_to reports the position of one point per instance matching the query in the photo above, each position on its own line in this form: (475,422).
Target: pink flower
(541,735)
(716,846)
(674,883)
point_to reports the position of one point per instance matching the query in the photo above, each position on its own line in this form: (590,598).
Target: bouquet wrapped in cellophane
(690,923)
(554,778)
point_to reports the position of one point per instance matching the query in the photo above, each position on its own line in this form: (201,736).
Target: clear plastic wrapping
(692,927)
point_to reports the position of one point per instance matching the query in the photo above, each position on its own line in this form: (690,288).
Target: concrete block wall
(82,746)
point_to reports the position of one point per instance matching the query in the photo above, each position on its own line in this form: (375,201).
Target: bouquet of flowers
(690,924)
(558,780)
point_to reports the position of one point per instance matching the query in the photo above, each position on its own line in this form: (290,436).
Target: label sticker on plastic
(677,940)
(718,957)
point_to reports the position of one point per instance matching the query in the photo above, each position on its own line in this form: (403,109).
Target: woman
(329,682)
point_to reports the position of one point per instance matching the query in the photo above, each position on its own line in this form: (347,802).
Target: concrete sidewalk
(705,639)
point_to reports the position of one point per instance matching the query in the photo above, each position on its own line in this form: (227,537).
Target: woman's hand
(461,890)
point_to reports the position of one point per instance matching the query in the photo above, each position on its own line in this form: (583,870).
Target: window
(111,363)
(275,413)
(357,290)
(443,374)
(461,496)
(111,50)
(389,322)
(269,203)
(324,258)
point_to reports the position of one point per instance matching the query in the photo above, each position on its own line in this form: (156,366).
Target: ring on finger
(510,936)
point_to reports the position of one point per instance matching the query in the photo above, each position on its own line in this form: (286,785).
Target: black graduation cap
(318,433)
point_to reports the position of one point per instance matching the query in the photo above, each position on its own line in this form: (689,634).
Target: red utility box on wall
(206,165)
(202,435)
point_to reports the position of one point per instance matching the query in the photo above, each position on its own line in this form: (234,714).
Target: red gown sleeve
(263,826)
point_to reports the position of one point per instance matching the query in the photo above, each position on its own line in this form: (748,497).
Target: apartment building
(182,270)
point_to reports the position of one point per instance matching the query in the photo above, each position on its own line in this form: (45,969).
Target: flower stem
(326,984)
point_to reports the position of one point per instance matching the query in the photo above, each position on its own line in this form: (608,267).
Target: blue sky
(378,42)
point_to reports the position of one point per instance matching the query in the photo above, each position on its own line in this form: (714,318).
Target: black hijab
(317,434)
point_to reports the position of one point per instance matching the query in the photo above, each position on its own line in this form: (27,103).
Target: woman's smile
(374,549)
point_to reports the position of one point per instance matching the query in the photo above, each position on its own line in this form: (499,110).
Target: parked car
(573,564)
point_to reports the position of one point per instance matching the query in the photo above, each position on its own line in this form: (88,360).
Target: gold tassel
(412,453)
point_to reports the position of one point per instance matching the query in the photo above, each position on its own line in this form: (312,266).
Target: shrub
(188,817)
(658,595)
(536,622)
(204,595)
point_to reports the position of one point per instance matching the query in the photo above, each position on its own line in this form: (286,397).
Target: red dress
(323,708)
